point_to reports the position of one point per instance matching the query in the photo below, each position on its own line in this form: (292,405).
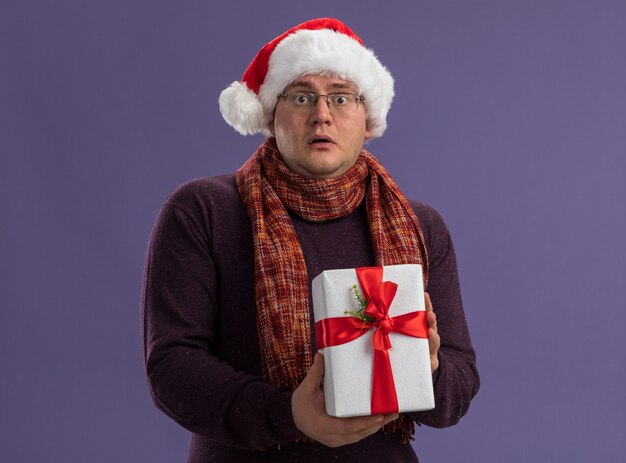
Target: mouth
(320,140)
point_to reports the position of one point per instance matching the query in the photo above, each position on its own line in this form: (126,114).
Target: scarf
(268,188)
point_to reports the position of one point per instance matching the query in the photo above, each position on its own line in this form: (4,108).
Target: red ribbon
(340,330)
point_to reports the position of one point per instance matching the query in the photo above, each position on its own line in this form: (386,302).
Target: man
(228,331)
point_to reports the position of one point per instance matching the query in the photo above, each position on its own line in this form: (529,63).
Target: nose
(320,114)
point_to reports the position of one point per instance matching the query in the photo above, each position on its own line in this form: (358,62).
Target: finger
(359,423)
(391,417)
(434,341)
(373,428)
(431,320)
(429,304)
(363,433)
(354,429)
(342,431)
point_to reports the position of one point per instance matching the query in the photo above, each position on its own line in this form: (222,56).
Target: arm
(456,379)
(187,380)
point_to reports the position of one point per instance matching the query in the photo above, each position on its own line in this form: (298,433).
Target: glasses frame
(316,96)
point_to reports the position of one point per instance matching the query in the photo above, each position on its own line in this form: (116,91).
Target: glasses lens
(301,99)
(305,101)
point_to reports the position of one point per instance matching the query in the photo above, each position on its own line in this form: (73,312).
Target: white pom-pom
(241,108)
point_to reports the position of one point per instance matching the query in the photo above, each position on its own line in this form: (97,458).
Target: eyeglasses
(341,103)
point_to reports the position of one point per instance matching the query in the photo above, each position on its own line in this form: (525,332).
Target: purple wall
(510,118)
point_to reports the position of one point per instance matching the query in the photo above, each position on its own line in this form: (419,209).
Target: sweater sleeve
(187,380)
(456,381)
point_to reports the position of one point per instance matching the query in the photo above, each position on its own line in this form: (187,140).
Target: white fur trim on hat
(241,108)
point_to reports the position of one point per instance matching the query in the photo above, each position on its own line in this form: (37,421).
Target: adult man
(227,322)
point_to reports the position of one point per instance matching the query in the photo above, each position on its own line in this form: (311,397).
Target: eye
(300,99)
(340,99)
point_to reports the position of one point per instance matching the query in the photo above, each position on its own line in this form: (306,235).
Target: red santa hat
(323,46)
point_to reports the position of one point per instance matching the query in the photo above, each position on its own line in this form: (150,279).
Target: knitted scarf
(268,188)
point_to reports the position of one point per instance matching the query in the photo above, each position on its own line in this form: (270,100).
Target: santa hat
(320,46)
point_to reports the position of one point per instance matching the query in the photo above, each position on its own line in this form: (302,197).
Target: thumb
(316,372)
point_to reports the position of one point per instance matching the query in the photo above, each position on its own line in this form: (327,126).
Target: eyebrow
(335,86)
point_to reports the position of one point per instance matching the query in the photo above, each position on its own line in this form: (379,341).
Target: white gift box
(348,367)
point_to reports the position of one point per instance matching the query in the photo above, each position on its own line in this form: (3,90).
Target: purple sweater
(200,338)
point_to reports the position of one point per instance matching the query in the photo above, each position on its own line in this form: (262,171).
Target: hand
(309,413)
(433,337)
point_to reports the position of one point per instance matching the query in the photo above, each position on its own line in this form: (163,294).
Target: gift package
(370,325)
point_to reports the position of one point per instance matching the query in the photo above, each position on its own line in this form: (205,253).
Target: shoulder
(204,191)
(431,222)
(436,235)
(205,205)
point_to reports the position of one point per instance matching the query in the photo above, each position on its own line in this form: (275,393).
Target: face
(319,143)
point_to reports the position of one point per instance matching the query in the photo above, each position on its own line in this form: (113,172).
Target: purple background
(510,119)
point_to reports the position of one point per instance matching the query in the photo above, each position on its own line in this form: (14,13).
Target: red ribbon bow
(340,330)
